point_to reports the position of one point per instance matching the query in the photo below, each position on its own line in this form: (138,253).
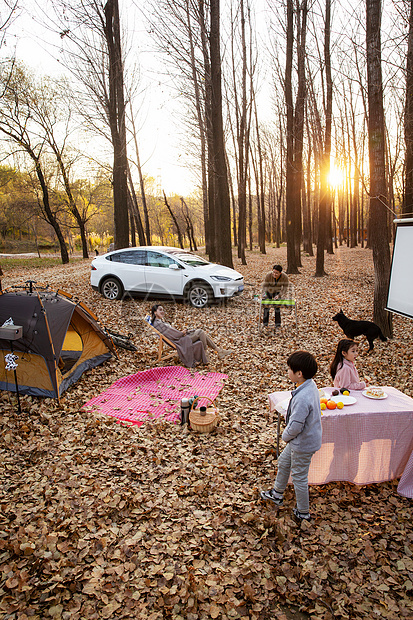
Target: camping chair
(288,302)
(162,355)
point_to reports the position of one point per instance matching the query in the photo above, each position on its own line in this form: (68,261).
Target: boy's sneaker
(301,516)
(272,496)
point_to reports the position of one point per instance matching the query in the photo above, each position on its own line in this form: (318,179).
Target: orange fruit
(331,404)
(323,406)
(323,400)
(340,405)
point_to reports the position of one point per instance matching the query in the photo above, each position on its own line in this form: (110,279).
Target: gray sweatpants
(298,464)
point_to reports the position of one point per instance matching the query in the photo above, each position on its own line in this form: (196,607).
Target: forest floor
(102,520)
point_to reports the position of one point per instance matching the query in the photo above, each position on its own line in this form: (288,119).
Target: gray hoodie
(303,419)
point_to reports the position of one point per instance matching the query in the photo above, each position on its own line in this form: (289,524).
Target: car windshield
(190,259)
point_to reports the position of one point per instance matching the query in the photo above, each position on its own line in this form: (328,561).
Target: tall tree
(16,120)
(50,105)
(379,232)
(116,115)
(175,221)
(218,198)
(408,122)
(324,209)
(295,128)
(241,98)
(259,176)
(292,265)
(141,184)
(91,34)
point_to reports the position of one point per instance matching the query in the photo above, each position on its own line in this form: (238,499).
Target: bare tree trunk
(407,208)
(133,207)
(209,215)
(292,266)
(72,203)
(324,221)
(299,113)
(117,124)
(250,235)
(378,186)
(132,229)
(202,121)
(175,221)
(259,175)
(307,226)
(234,205)
(50,216)
(220,203)
(141,185)
(190,226)
(242,113)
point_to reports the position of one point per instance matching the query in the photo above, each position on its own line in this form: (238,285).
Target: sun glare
(335,177)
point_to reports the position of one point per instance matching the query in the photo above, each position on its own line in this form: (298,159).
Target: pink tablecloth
(369,441)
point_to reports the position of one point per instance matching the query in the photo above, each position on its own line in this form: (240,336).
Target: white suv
(163,272)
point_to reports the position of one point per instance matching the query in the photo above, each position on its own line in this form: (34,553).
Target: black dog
(352,329)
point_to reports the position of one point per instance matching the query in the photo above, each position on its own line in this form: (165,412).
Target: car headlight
(221,278)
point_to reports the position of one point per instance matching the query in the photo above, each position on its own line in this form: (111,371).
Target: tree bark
(378,186)
(142,188)
(407,208)
(260,184)
(175,221)
(116,113)
(324,216)
(133,208)
(50,216)
(219,201)
(292,266)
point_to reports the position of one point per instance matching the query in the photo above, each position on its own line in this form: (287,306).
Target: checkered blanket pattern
(155,393)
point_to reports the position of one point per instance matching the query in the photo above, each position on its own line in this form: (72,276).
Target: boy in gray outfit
(302,434)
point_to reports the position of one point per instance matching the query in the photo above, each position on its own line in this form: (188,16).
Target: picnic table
(367,442)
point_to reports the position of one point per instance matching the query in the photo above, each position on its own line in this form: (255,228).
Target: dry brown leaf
(100,519)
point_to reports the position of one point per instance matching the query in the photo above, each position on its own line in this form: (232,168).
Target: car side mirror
(174,266)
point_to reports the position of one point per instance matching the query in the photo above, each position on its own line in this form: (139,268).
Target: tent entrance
(71,351)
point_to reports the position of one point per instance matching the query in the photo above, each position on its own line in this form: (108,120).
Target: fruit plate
(346,400)
(364,392)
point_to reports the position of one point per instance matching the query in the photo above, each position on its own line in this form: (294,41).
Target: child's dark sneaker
(301,516)
(272,496)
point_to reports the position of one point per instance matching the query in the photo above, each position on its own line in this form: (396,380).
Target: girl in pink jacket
(342,367)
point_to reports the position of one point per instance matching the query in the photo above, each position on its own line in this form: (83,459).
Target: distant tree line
(259,182)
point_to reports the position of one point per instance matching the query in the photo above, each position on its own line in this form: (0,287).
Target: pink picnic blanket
(155,393)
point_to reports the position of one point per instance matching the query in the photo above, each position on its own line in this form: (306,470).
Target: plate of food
(374,392)
(346,400)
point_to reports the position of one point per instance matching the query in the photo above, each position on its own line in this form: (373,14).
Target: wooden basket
(203,423)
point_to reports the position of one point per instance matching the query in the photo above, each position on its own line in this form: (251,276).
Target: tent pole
(51,344)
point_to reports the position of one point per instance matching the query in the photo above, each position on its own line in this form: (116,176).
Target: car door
(163,274)
(130,268)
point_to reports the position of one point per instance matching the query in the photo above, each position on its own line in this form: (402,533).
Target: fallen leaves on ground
(102,520)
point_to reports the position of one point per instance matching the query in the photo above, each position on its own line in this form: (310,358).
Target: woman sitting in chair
(190,344)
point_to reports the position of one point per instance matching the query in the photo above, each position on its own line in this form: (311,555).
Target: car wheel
(112,289)
(200,295)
